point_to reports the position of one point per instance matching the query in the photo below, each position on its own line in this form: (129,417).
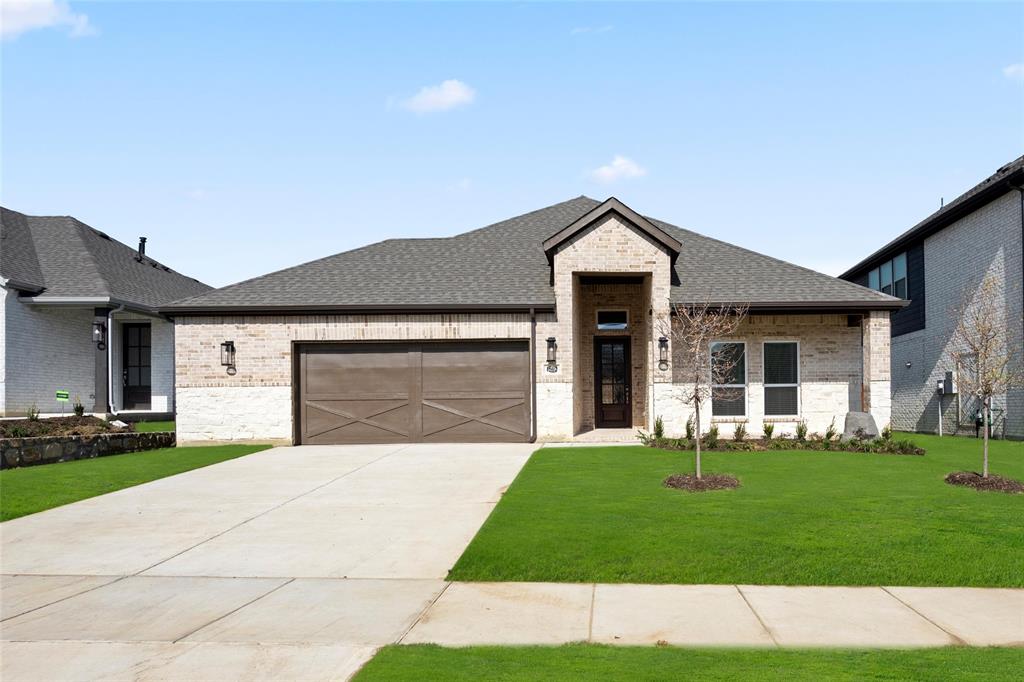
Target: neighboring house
(503,333)
(80,315)
(933,265)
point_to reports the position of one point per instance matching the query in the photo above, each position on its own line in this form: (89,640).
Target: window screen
(781,378)
(612,319)
(729,391)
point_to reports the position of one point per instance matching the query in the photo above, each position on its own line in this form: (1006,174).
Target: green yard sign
(62,396)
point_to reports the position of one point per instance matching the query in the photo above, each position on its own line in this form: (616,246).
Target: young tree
(692,330)
(989,364)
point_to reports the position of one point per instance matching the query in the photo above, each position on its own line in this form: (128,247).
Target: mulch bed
(993,483)
(706,482)
(56,426)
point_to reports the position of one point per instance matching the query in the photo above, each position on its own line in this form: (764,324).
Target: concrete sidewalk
(721,615)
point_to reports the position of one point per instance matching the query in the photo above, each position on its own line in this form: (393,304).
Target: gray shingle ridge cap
(524,215)
(855,287)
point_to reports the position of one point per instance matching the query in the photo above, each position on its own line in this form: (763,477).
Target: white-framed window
(612,320)
(729,393)
(781,378)
(890,277)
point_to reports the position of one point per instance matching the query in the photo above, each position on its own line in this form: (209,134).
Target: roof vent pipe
(142,247)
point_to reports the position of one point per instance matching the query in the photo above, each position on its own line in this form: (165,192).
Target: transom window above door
(611,320)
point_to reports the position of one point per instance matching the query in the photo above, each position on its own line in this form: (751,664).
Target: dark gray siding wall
(911,318)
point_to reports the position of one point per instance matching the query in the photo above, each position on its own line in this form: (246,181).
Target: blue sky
(246,137)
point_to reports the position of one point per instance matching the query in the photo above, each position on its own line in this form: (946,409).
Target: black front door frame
(600,422)
(136,394)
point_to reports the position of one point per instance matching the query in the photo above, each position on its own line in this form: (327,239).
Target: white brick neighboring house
(949,253)
(544,326)
(61,282)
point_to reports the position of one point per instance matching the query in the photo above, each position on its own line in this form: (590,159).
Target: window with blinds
(781,378)
(729,391)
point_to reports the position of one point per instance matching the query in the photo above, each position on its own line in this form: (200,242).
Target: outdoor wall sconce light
(99,335)
(663,353)
(552,347)
(227,356)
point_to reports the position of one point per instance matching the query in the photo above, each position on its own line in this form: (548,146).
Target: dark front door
(614,406)
(136,374)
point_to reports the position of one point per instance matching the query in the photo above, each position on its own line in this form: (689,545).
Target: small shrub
(690,428)
(18,432)
(780,445)
(79,408)
(769,430)
(801,430)
(711,438)
(831,432)
(33,413)
(659,428)
(739,434)
(887,432)
(645,439)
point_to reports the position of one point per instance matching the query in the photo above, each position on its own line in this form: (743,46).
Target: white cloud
(620,168)
(448,95)
(1014,72)
(590,29)
(20,16)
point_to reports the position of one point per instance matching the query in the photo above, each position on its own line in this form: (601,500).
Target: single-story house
(546,325)
(80,317)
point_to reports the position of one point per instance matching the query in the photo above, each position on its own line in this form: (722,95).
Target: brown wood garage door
(414,392)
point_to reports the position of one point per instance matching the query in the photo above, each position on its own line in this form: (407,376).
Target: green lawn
(33,489)
(146,427)
(799,518)
(595,662)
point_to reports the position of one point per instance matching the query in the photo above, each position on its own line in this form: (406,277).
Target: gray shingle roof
(504,265)
(66,258)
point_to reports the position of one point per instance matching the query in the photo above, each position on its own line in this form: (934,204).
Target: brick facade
(956,259)
(46,349)
(256,402)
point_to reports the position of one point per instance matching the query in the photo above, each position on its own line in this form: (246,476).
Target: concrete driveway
(293,563)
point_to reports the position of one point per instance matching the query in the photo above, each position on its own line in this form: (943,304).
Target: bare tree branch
(692,329)
(988,363)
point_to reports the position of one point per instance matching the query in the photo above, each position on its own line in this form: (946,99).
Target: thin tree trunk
(986,420)
(696,406)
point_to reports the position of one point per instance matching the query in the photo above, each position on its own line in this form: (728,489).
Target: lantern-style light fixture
(99,334)
(663,353)
(552,348)
(227,355)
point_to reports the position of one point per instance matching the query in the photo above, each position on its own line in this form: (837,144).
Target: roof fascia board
(354,309)
(808,306)
(940,220)
(87,301)
(21,286)
(612,206)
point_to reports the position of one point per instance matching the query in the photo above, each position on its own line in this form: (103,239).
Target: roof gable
(611,206)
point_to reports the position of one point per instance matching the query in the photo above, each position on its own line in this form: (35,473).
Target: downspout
(110,359)
(533,376)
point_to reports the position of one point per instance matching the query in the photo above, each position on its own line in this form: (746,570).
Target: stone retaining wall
(21,452)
